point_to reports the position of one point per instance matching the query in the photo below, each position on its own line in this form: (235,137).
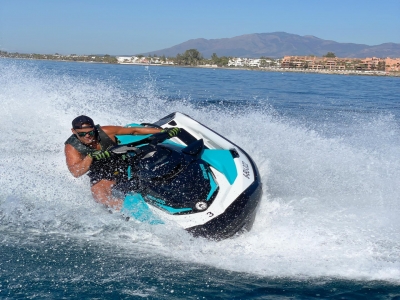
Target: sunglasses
(82,134)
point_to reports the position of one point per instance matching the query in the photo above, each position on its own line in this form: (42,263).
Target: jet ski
(197,179)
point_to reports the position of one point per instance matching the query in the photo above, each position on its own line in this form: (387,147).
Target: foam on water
(331,195)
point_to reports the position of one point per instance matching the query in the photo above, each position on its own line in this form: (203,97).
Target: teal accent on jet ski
(135,206)
(172,210)
(134,125)
(127,139)
(222,161)
(161,203)
(129,173)
(207,175)
(214,186)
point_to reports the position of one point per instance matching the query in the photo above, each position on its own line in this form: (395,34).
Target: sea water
(327,148)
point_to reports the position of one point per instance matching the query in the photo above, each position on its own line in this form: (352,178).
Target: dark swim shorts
(95,177)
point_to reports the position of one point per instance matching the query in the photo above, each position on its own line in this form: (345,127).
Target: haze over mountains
(279,44)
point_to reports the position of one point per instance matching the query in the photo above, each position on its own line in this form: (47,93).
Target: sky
(128,27)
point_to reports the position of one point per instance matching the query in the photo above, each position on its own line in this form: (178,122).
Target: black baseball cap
(81,120)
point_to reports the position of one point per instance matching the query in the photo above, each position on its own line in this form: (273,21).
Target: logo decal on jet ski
(204,171)
(201,205)
(246,171)
(159,166)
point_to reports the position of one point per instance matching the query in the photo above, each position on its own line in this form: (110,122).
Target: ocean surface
(327,148)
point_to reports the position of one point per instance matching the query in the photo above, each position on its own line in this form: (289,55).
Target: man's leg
(101,192)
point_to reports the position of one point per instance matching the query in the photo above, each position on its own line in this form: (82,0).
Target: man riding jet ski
(86,152)
(187,174)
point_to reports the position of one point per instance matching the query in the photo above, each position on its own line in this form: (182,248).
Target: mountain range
(279,44)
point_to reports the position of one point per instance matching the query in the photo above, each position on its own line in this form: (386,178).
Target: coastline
(261,69)
(282,70)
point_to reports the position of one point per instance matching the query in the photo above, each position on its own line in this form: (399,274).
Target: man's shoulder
(75,143)
(71,140)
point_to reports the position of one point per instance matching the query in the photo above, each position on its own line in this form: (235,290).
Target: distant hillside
(279,44)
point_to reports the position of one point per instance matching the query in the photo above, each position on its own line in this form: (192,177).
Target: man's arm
(112,131)
(77,164)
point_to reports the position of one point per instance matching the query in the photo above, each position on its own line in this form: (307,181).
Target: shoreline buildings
(309,63)
(340,64)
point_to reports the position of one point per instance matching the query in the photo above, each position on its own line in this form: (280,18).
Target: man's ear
(73,131)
